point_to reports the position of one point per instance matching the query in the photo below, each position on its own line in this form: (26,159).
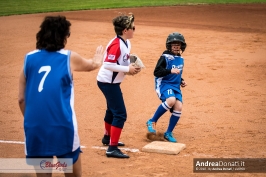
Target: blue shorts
(171,93)
(74,155)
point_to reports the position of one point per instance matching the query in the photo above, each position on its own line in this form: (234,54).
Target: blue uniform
(50,123)
(167,84)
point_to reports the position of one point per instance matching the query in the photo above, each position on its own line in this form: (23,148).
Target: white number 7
(47,69)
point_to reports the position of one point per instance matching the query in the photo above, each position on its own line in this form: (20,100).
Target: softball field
(224,111)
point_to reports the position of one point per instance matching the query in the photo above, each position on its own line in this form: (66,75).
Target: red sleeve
(113,52)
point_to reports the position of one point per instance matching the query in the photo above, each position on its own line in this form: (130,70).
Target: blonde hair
(122,22)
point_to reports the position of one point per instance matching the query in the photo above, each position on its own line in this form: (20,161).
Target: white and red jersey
(116,61)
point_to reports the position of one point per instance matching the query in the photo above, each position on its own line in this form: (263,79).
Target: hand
(98,56)
(133,69)
(183,83)
(175,71)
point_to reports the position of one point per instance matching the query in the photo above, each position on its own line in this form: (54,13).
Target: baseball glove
(136,60)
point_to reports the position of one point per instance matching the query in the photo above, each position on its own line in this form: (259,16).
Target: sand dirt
(224,111)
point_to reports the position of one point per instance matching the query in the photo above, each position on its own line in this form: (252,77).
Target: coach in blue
(168,79)
(46,94)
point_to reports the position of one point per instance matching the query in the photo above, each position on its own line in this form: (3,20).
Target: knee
(171,101)
(123,116)
(178,106)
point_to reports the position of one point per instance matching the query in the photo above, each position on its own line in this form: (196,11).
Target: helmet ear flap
(183,47)
(168,46)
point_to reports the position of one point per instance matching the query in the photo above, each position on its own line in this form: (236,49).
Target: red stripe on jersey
(113,51)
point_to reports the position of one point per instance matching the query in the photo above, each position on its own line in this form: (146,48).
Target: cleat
(116,154)
(106,141)
(169,137)
(151,126)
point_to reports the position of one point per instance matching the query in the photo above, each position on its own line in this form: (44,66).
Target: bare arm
(21,92)
(79,63)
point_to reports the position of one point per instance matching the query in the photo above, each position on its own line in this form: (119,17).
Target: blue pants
(116,113)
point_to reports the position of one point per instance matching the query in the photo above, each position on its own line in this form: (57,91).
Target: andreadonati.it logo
(220,163)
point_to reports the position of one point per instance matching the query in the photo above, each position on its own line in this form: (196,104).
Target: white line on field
(125,149)
(21,142)
(94,147)
(12,142)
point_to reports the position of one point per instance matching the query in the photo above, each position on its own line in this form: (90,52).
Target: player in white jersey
(168,79)
(111,74)
(46,94)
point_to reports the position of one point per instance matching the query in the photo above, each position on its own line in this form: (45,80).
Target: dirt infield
(224,112)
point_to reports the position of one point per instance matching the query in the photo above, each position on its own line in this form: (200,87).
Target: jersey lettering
(180,67)
(45,69)
(169,91)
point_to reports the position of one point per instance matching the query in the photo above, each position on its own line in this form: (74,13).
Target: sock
(160,111)
(173,120)
(107,129)
(111,148)
(115,135)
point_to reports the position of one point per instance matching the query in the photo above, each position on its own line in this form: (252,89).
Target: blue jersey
(50,123)
(170,81)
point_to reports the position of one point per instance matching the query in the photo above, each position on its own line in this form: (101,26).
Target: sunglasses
(133,28)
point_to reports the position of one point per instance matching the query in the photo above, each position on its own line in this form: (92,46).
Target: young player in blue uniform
(168,79)
(46,94)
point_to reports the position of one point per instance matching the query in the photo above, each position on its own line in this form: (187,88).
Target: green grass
(13,7)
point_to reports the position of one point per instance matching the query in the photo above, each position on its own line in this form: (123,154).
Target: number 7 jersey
(49,120)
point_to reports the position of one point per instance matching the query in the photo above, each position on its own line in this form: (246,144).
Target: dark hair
(123,22)
(53,33)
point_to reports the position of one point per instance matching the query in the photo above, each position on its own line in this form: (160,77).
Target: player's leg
(168,98)
(108,124)
(116,105)
(77,171)
(44,174)
(175,116)
(108,119)
(35,162)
